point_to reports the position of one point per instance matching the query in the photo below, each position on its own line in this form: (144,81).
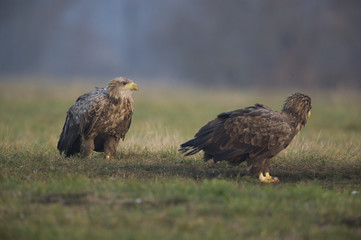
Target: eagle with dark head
(98,120)
(254,134)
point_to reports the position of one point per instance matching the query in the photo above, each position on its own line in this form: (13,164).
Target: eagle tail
(69,141)
(189,148)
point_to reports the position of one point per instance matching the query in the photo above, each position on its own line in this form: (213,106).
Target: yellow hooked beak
(309,115)
(132,86)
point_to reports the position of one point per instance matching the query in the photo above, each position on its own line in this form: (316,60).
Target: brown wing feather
(266,132)
(244,133)
(80,120)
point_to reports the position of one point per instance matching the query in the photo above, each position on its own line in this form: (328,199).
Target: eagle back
(87,109)
(252,131)
(259,130)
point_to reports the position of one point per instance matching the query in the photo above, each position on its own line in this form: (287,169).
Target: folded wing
(80,120)
(244,133)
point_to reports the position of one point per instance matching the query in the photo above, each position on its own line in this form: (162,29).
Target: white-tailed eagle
(98,120)
(254,134)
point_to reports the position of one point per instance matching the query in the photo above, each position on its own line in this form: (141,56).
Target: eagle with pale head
(98,120)
(253,134)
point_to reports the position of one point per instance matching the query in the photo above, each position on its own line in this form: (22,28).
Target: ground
(150,191)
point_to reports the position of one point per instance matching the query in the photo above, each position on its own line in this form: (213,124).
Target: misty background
(240,42)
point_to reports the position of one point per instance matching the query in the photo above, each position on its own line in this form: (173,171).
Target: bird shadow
(147,166)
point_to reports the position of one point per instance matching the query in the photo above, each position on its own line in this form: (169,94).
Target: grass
(150,191)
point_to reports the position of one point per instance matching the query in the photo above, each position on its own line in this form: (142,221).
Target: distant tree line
(247,43)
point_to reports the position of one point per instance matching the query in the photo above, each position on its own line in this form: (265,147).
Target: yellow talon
(267,178)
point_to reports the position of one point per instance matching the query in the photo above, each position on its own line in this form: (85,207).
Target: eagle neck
(123,97)
(294,119)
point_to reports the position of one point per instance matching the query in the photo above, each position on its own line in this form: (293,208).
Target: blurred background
(246,43)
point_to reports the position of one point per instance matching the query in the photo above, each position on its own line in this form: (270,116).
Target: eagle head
(121,87)
(299,106)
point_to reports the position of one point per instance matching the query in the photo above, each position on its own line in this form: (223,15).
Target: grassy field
(150,191)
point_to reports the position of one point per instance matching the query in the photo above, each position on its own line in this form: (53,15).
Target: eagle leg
(87,147)
(267,178)
(110,146)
